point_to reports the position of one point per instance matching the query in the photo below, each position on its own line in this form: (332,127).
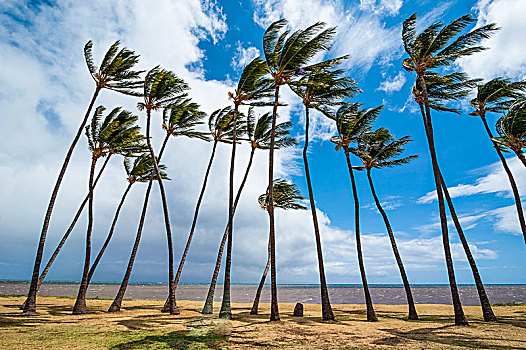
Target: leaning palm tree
(496,96)
(115,73)
(351,122)
(258,135)
(430,50)
(221,126)
(512,129)
(251,89)
(140,171)
(288,57)
(179,119)
(377,150)
(321,89)
(286,196)
(161,88)
(116,134)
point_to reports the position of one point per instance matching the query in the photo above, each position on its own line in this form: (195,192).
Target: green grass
(508,304)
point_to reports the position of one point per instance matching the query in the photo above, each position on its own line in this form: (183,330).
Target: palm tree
(116,134)
(377,150)
(179,119)
(115,73)
(351,122)
(321,89)
(512,129)
(287,57)
(286,196)
(161,88)
(140,171)
(258,135)
(221,126)
(432,50)
(251,88)
(495,96)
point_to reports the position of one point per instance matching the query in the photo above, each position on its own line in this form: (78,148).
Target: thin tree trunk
(255,305)
(513,184)
(80,303)
(274,310)
(117,302)
(460,318)
(327,313)
(209,302)
(371,316)
(30,306)
(171,290)
(412,310)
(520,154)
(226,311)
(110,234)
(194,222)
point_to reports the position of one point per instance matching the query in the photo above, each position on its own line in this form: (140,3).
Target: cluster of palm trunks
(287,61)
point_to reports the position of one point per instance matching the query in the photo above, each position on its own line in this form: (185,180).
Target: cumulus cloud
(390,7)
(394,84)
(243,56)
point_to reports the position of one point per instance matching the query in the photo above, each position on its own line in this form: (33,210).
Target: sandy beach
(140,325)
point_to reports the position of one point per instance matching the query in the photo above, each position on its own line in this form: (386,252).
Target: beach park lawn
(142,326)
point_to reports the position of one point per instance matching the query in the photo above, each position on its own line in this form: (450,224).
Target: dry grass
(141,326)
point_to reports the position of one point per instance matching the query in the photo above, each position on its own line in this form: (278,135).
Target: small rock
(298,310)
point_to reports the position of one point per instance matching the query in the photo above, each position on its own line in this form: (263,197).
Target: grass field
(142,326)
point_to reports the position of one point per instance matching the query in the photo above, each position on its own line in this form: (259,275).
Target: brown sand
(141,325)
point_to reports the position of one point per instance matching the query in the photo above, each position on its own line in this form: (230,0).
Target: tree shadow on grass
(177,340)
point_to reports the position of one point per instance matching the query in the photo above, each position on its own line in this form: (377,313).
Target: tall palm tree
(321,89)
(180,118)
(140,171)
(221,126)
(351,122)
(288,57)
(161,88)
(258,135)
(512,129)
(252,87)
(114,73)
(495,96)
(433,49)
(116,134)
(286,196)
(377,150)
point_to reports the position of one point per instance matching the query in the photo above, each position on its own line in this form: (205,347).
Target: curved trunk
(255,305)
(110,234)
(521,156)
(209,302)
(194,222)
(371,315)
(460,318)
(511,179)
(325,302)
(412,310)
(274,310)
(117,302)
(226,311)
(30,305)
(80,303)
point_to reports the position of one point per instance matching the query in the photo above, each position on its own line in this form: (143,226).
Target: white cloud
(394,84)
(243,56)
(390,7)
(505,57)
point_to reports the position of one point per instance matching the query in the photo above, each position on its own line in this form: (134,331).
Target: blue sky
(46,88)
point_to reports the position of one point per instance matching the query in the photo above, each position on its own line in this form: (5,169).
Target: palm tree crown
(161,88)
(141,169)
(221,126)
(351,122)
(496,96)
(285,195)
(253,85)
(258,131)
(181,117)
(511,127)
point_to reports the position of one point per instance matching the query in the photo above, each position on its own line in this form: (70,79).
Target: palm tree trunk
(117,302)
(209,302)
(520,154)
(327,313)
(371,316)
(68,232)
(30,305)
(194,222)
(511,179)
(226,311)
(80,303)
(255,305)
(412,310)
(460,318)
(110,234)
(274,310)
(171,290)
